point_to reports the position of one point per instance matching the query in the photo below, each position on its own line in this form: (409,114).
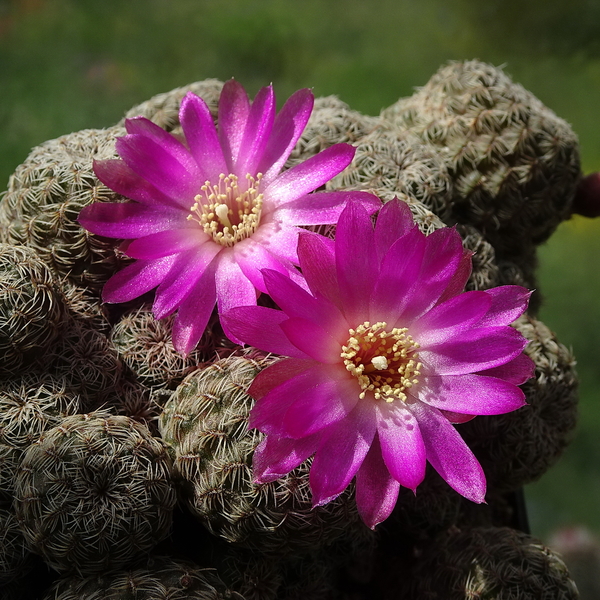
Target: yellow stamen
(225,212)
(384,361)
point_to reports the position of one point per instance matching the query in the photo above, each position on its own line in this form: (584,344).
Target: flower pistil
(384,361)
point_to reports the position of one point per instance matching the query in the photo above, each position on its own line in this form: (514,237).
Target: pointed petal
(260,327)
(399,271)
(233,287)
(136,279)
(313,340)
(163,243)
(517,371)
(471,394)
(234,108)
(454,316)
(356,262)
(297,302)
(376,490)
(472,351)
(342,449)
(280,239)
(275,457)
(276,374)
(194,312)
(323,208)
(257,131)
(449,454)
(461,277)
(321,405)
(289,125)
(509,302)
(316,255)
(129,220)
(116,175)
(201,136)
(394,220)
(252,257)
(402,446)
(183,277)
(309,175)
(175,175)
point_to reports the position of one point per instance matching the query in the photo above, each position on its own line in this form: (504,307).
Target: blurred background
(66,65)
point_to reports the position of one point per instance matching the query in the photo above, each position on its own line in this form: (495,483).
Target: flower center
(384,362)
(226,212)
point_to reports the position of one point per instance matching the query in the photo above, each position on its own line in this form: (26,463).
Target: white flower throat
(384,362)
(225,212)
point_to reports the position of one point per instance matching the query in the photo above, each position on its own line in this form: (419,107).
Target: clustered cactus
(103,424)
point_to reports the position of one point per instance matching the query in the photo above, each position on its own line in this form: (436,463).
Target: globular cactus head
(94,493)
(495,563)
(45,195)
(206,425)
(15,559)
(162,578)
(32,308)
(514,164)
(30,405)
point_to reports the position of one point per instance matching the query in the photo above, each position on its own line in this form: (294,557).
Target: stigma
(226,211)
(384,361)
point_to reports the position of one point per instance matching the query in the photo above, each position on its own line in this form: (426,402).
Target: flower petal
(275,457)
(281,239)
(376,490)
(116,175)
(313,340)
(393,221)
(509,302)
(258,326)
(449,454)
(297,302)
(470,394)
(449,318)
(129,220)
(234,108)
(276,374)
(323,208)
(289,125)
(473,351)
(316,255)
(461,277)
(175,175)
(341,451)
(233,287)
(356,262)
(319,403)
(136,279)
(309,175)
(257,131)
(183,277)
(201,135)
(517,371)
(402,446)
(194,312)
(163,243)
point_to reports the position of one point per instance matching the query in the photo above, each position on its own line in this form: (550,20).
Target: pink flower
(385,351)
(208,214)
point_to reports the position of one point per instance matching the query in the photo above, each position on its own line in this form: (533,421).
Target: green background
(66,65)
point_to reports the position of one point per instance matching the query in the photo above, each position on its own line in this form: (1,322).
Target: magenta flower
(208,214)
(385,351)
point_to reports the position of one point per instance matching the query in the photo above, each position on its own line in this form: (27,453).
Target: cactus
(29,406)
(32,309)
(491,563)
(162,578)
(44,197)
(205,423)
(514,163)
(94,493)
(15,559)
